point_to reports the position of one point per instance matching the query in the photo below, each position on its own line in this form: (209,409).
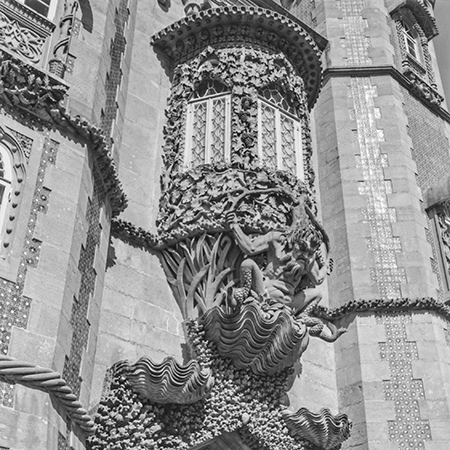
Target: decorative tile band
(408,430)
(386,274)
(354,41)
(14,306)
(79,321)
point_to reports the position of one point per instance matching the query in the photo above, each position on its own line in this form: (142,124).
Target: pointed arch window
(208,125)
(279,133)
(6,178)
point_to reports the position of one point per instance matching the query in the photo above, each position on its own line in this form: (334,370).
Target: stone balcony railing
(25,32)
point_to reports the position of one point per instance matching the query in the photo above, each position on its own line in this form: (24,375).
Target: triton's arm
(249,246)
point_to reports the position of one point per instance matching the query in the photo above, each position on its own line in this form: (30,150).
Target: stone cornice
(415,85)
(422,14)
(234,25)
(40,96)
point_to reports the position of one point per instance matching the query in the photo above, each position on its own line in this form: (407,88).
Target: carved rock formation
(169,381)
(265,341)
(322,429)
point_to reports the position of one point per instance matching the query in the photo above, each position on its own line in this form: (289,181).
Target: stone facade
(165,167)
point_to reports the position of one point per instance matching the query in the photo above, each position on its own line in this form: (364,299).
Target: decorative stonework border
(47,380)
(425,304)
(14,306)
(41,97)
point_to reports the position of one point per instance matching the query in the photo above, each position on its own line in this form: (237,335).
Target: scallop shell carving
(264,340)
(168,381)
(323,429)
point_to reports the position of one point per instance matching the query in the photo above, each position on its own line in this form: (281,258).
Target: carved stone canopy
(421,12)
(239,25)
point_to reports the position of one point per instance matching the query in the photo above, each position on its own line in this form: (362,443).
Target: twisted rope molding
(428,304)
(47,380)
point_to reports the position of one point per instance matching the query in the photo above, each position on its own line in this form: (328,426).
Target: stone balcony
(25,32)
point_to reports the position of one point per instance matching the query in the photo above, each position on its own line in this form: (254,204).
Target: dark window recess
(40,6)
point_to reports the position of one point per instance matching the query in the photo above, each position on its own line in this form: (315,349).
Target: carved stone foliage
(237,25)
(245,71)
(20,39)
(198,200)
(239,401)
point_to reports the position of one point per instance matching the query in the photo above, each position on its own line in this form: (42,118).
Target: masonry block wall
(139,314)
(371,172)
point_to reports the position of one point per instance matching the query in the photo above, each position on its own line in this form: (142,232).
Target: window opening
(45,8)
(411,39)
(279,143)
(208,125)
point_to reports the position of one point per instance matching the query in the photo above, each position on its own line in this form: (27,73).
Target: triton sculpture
(238,240)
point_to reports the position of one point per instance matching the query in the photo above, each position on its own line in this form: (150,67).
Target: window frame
(209,101)
(51,8)
(298,138)
(411,36)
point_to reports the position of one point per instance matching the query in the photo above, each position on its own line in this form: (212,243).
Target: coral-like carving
(262,338)
(239,401)
(169,381)
(26,88)
(383,305)
(324,430)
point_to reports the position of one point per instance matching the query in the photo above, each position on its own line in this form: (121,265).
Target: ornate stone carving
(240,246)
(239,401)
(236,25)
(46,380)
(168,382)
(21,40)
(23,31)
(60,60)
(25,88)
(322,429)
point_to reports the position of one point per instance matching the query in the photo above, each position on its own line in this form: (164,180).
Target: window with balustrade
(208,125)
(279,132)
(45,8)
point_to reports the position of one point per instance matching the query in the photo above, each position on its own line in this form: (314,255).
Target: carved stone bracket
(423,90)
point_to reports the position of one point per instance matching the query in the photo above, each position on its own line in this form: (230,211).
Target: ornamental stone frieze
(238,240)
(23,31)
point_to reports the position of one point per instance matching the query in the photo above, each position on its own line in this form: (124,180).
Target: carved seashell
(169,381)
(322,429)
(264,341)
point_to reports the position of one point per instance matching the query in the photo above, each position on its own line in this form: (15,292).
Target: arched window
(279,133)
(6,178)
(208,125)
(411,40)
